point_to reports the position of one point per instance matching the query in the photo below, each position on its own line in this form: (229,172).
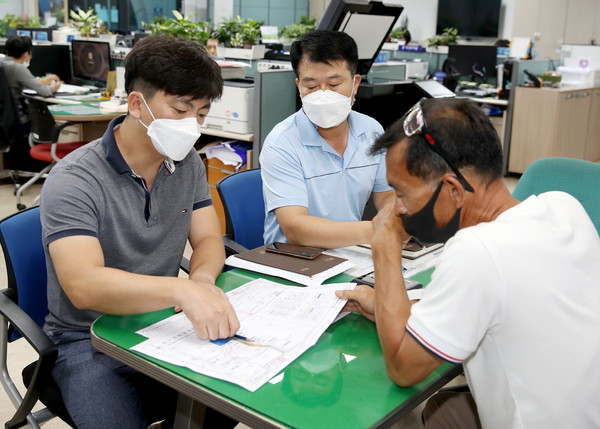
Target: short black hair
(173,65)
(321,46)
(16,46)
(461,128)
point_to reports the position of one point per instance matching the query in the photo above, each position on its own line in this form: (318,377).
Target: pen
(419,242)
(239,337)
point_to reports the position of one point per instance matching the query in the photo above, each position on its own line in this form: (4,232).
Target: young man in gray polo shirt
(116,217)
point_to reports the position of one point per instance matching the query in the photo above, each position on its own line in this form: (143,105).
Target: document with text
(278,323)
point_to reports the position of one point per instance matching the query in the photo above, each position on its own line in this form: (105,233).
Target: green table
(83,112)
(340,382)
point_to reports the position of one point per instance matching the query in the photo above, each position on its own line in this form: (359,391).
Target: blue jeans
(100,392)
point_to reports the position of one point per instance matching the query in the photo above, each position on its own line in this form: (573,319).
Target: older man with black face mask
(317,171)
(514,296)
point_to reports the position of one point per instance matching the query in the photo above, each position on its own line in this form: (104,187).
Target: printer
(233,112)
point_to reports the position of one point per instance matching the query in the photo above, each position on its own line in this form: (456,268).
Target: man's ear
(456,189)
(134,103)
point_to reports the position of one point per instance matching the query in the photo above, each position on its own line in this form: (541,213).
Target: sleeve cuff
(202,204)
(69,233)
(434,344)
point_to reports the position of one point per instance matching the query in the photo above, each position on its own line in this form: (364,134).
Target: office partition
(275,98)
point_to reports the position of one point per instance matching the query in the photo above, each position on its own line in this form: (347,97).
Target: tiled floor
(20,354)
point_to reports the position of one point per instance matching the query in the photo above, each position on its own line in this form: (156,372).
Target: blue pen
(239,337)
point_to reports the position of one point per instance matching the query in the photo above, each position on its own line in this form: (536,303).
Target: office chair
(43,140)
(244,206)
(574,176)
(12,139)
(10,126)
(23,307)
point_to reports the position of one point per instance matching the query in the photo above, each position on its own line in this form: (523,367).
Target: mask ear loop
(147,107)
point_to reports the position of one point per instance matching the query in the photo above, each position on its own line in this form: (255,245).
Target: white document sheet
(315,280)
(362,259)
(360,256)
(278,323)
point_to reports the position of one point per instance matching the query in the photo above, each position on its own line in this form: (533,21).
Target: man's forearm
(392,306)
(320,232)
(207,259)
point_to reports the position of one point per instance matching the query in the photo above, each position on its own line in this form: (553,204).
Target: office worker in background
(19,51)
(316,167)
(514,296)
(116,216)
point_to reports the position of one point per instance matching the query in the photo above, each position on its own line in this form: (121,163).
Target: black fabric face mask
(423,225)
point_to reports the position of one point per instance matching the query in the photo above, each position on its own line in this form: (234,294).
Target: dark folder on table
(305,267)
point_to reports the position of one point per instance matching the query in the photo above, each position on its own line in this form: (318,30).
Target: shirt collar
(113,154)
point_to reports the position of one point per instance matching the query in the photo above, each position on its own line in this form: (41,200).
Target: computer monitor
(51,59)
(472,18)
(269,34)
(353,18)
(36,34)
(91,60)
(473,61)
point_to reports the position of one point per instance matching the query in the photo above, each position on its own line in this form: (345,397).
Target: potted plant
(85,22)
(180,26)
(291,32)
(89,25)
(448,37)
(401,33)
(238,37)
(14,21)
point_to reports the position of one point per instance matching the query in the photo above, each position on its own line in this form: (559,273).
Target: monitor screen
(91,60)
(269,34)
(36,34)
(475,18)
(51,59)
(353,18)
(472,61)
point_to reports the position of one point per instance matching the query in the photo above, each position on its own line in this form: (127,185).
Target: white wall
(14,7)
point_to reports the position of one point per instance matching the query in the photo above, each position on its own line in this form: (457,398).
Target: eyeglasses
(414,123)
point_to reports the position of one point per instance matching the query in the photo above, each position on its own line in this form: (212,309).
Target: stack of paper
(278,324)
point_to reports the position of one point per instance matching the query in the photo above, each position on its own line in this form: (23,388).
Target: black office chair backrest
(10,126)
(43,125)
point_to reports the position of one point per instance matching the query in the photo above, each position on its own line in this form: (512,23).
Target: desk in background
(341,382)
(499,122)
(95,120)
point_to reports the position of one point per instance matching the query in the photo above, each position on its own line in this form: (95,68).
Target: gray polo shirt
(19,78)
(93,192)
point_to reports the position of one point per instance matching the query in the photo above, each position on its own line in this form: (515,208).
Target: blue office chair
(242,198)
(23,307)
(574,176)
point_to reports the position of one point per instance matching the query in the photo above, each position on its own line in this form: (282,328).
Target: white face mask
(173,138)
(327,109)
(25,63)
